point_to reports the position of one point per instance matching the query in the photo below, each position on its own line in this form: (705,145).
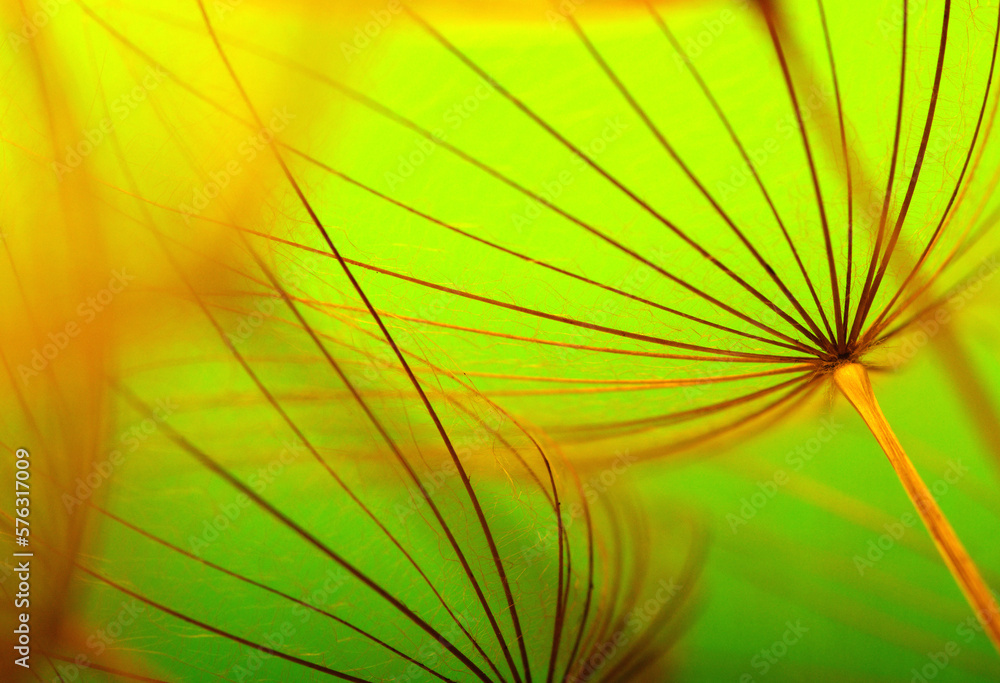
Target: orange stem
(853,381)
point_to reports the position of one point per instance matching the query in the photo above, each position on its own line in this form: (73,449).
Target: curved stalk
(853,381)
